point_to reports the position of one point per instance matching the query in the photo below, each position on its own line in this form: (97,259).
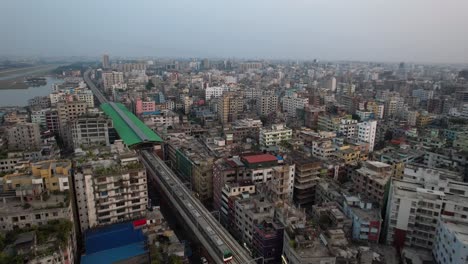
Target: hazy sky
(390,30)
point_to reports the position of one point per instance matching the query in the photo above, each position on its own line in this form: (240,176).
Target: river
(20,97)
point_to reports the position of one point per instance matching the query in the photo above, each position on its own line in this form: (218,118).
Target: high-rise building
(451,242)
(205,64)
(105,62)
(110,79)
(267,104)
(418,202)
(68,112)
(23,136)
(110,190)
(366,133)
(331,84)
(306,176)
(230,106)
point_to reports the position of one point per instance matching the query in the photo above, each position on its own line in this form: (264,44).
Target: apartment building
(246,66)
(366,219)
(267,104)
(193,160)
(144,106)
(275,135)
(347,128)
(323,149)
(38,116)
(90,130)
(328,122)
(165,118)
(451,242)
(23,136)
(111,78)
(110,190)
(52,121)
(416,204)
(267,241)
(215,92)
(230,105)
(306,176)
(38,194)
(68,112)
(371,181)
(250,211)
(229,193)
(244,128)
(257,168)
(292,103)
(39,102)
(366,133)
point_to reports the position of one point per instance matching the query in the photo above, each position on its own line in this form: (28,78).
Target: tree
(356,117)
(173,259)
(149,85)
(388,135)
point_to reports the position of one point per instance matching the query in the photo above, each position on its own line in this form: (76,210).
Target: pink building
(144,106)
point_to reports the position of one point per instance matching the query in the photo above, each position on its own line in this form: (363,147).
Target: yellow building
(423,120)
(349,155)
(45,175)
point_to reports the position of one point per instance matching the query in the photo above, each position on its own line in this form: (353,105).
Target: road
(210,233)
(101,98)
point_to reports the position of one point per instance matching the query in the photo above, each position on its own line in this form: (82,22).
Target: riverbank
(15,78)
(20,95)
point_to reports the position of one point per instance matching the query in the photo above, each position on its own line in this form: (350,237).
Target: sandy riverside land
(14,78)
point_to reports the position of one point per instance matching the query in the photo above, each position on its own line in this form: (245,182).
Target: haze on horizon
(374,30)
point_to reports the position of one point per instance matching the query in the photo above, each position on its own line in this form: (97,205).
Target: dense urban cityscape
(252,161)
(235,132)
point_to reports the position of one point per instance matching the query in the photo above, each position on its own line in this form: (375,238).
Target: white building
(166,118)
(111,78)
(366,133)
(109,191)
(273,136)
(451,243)
(416,203)
(364,115)
(331,84)
(39,117)
(291,104)
(347,128)
(215,92)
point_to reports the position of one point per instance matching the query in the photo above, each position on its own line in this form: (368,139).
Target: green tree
(173,259)
(149,85)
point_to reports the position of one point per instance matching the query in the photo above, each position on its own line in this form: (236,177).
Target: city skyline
(423,31)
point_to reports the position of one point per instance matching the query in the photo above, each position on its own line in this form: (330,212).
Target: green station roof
(125,131)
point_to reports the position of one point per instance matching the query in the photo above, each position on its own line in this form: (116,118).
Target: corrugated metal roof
(260,158)
(125,131)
